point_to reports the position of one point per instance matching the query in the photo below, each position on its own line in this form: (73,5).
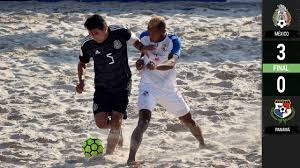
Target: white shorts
(171,100)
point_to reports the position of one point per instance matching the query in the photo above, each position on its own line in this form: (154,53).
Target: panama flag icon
(283,109)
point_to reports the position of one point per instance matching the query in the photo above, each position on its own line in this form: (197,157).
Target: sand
(43,121)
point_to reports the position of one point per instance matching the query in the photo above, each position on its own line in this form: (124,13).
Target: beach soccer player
(107,45)
(158,83)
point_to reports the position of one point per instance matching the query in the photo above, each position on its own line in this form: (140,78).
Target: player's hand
(82,65)
(80,87)
(166,65)
(151,65)
(139,64)
(144,49)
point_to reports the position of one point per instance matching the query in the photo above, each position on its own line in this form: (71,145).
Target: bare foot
(210,146)
(108,153)
(134,164)
(202,145)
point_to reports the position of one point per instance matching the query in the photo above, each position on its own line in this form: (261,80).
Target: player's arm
(168,64)
(138,44)
(139,64)
(132,39)
(172,58)
(143,49)
(84,59)
(81,71)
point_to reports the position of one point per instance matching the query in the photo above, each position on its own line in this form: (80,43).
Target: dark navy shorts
(106,101)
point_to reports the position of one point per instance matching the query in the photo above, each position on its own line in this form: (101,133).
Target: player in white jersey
(158,83)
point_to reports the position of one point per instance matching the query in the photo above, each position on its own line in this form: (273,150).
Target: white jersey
(160,79)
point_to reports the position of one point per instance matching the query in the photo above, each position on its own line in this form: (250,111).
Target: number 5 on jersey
(112,58)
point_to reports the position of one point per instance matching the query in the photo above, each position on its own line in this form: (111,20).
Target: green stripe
(281,68)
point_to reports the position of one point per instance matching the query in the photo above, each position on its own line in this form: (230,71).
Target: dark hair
(94,22)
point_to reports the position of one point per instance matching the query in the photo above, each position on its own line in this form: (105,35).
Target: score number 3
(281,79)
(281,51)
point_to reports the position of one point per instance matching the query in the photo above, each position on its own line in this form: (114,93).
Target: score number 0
(281,79)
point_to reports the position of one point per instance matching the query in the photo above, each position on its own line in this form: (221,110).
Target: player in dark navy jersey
(107,45)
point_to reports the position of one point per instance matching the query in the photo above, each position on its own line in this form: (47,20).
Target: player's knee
(144,119)
(145,115)
(187,120)
(101,120)
(101,123)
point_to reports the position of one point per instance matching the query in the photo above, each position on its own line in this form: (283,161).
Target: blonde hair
(157,21)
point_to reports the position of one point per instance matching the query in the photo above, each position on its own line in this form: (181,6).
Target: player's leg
(137,135)
(101,109)
(146,104)
(195,129)
(175,104)
(120,143)
(115,131)
(119,106)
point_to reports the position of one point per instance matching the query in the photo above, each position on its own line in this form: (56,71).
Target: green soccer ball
(92,147)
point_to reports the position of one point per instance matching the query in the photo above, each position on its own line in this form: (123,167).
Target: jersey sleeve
(133,38)
(124,33)
(176,50)
(142,37)
(84,57)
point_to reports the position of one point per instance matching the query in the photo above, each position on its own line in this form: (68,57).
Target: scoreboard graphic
(281,82)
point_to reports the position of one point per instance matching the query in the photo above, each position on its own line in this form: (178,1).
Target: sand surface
(43,121)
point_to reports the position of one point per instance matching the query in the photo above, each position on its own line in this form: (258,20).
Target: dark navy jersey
(110,57)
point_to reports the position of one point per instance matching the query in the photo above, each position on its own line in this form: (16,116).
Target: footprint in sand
(253,157)
(218,166)
(45,140)
(3,110)
(213,94)
(176,127)
(15,115)
(74,111)
(19,136)
(225,75)
(8,124)
(67,151)
(75,159)
(192,94)
(75,128)
(237,151)
(14,145)
(67,87)
(52,115)
(215,119)
(225,84)
(9,159)
(181,82)
(37,99)
(210,146)
(189,75)
(56,41)
(207,113)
